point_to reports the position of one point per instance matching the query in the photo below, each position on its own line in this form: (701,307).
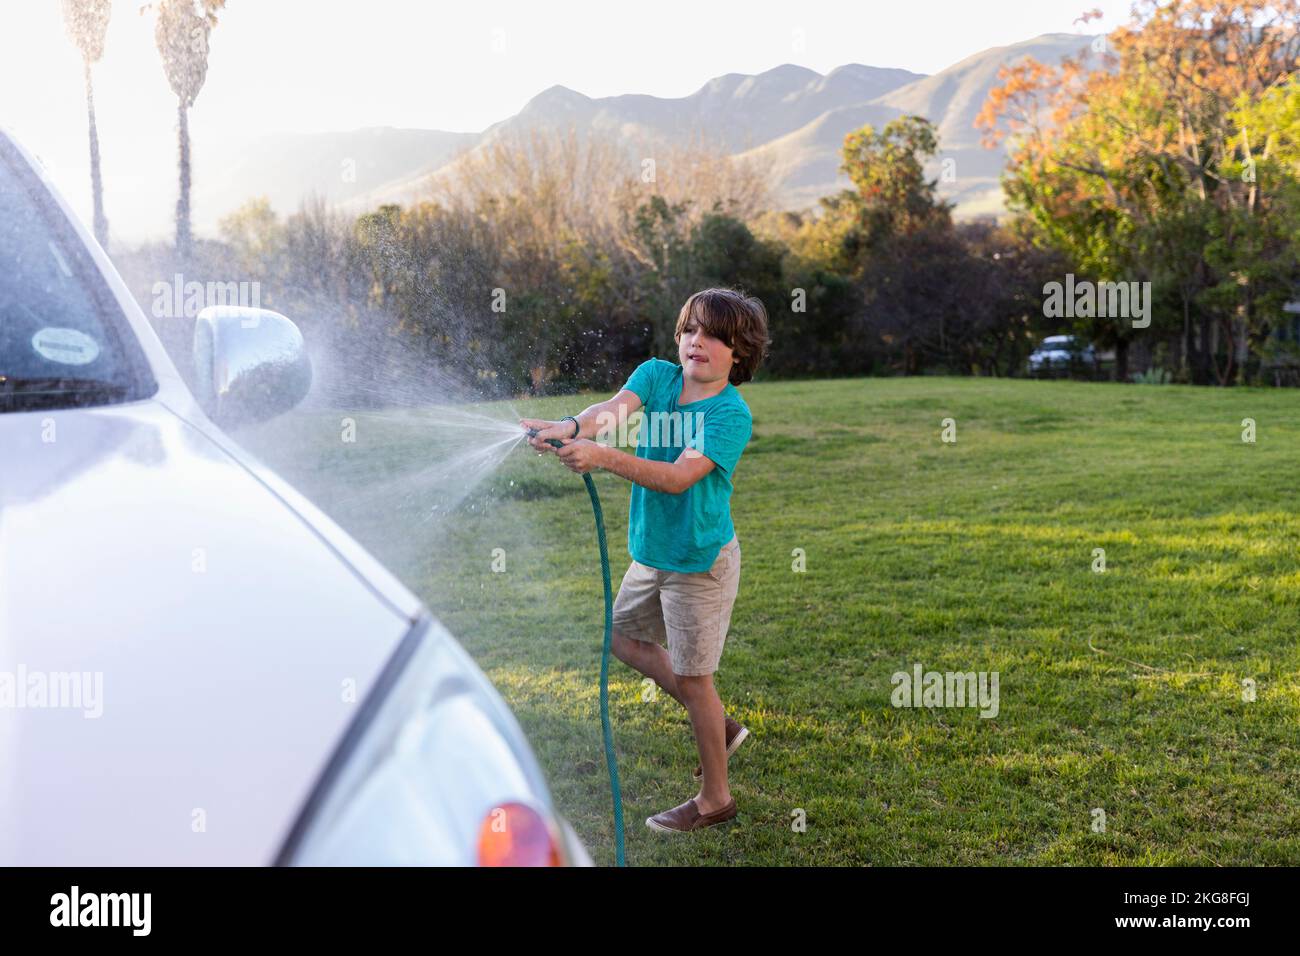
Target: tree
(181,34)
(87,23)
(255,236)
(892,196)
(893,236)
(661,243)
(1267,244)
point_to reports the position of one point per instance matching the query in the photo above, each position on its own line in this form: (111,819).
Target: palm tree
(181,34)
(87,22)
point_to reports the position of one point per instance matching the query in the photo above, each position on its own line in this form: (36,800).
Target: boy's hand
(545,430)
(581,455)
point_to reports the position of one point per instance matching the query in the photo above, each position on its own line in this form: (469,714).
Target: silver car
(1061,352)
(196,665)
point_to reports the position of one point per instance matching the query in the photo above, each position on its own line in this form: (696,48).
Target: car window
(63,340)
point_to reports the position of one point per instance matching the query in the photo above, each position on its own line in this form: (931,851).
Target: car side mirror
(250,364)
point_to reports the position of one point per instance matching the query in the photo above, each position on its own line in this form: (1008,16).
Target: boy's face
(703,358)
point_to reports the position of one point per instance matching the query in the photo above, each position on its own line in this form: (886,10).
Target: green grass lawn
(1119,690)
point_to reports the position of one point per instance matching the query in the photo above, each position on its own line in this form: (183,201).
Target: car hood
(206,634)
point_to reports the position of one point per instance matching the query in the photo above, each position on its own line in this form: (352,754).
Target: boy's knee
(625,648)
(694,685)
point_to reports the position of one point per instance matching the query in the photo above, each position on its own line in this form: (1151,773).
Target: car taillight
(515,834)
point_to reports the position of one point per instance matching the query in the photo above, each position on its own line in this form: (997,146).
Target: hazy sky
(311,65)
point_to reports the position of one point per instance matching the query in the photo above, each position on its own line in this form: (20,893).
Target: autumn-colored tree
(181,33)
(1134,163)
(87,23)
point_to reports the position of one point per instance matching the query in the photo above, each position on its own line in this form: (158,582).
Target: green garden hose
(610,761)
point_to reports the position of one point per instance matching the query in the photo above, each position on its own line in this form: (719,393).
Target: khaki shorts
(690,611)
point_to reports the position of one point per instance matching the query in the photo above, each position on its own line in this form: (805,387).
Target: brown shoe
(736,735)
(688,817)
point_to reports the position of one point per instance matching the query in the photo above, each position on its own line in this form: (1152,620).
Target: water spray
(610,762)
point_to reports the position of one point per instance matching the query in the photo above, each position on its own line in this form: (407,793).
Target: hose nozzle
(553,442)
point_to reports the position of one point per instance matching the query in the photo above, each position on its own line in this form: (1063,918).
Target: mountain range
(790,117)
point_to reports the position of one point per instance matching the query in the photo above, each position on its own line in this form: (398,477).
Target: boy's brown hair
(737,319)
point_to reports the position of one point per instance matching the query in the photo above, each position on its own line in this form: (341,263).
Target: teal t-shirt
(685,532)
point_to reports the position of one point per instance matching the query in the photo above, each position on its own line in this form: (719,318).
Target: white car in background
(1061,352)
(196,665)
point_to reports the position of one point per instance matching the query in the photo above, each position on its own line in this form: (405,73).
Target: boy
(685,571)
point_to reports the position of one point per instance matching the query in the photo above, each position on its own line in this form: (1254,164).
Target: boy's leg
(705,707)
(639,633)
(697,614)
(648,658)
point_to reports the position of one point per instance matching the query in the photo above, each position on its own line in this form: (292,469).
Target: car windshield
(61,343)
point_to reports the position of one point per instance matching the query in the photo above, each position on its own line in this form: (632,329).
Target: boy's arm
(590,420)
(669,477)
(728,430)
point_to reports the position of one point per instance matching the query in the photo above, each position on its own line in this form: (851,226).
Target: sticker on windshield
(65,346)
